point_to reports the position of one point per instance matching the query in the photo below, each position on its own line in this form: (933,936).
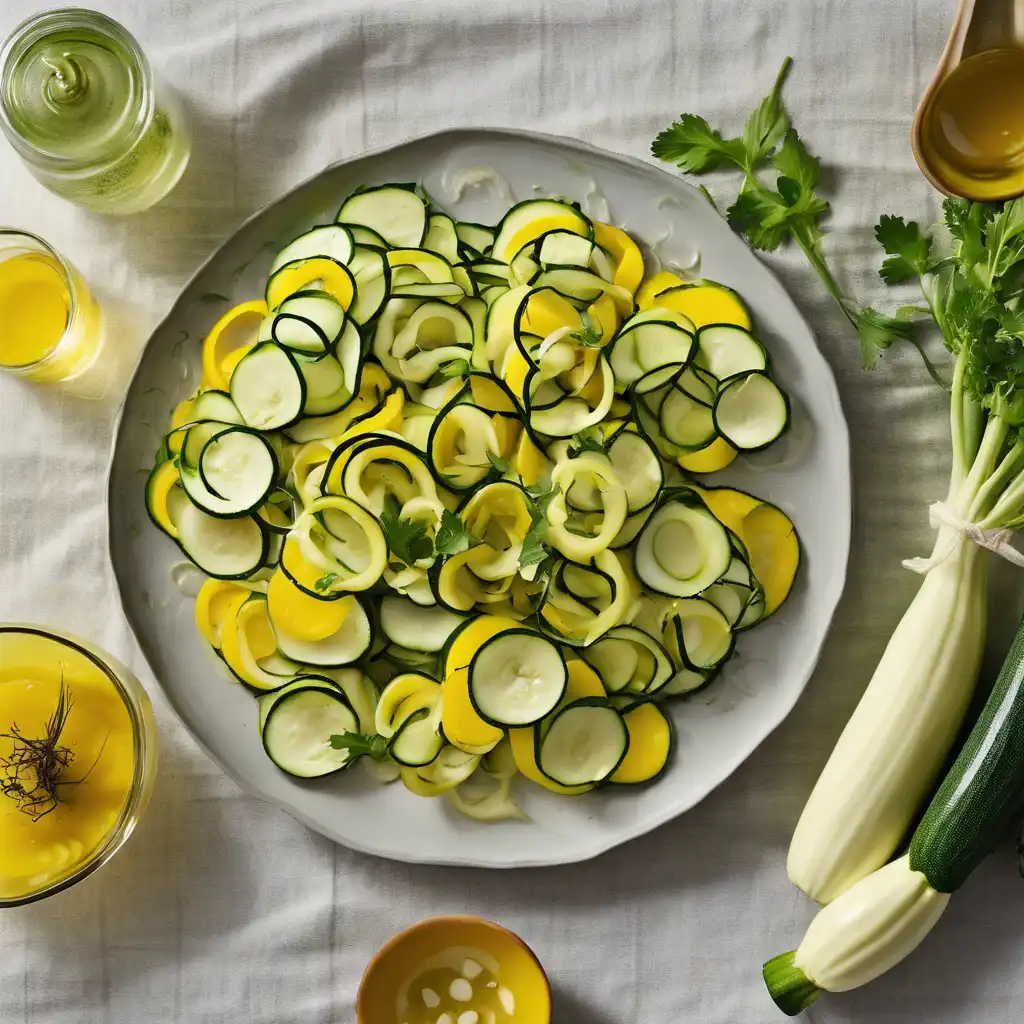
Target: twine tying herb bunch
(31,773)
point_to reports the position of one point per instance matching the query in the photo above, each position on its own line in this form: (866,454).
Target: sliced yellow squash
(161,482)
(711,459)
(646,297)
(214,603)
(333,278)
(629,261)
(231,337)
(300,615)
(706,302)
(767,533)
(650,744)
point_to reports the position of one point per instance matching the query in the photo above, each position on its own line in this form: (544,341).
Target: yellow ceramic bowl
(403,959)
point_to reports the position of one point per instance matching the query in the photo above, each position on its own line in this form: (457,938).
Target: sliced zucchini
(564,249)
(268,388)
(309,322)
(216,406)
(416,628)
(684,420)
(227,549)
(478,236)
(326,388)
(683,549)
(725,350)
(751,411)
(627,658)
(635,462)
(441,237)
(643,345)
(265,701)
(373,283)
(331,240)
(698,635)
(516,678)
(585,743)
(395,212)
(298,729)
(418,740)
(234,473)
(530,219)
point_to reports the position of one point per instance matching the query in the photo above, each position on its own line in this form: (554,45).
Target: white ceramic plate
(717,728)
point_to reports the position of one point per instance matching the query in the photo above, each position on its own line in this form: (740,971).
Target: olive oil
(974,127)
(82,107)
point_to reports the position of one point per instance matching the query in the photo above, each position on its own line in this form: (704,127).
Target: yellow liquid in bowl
(44,333)
(94,785)
(974,129)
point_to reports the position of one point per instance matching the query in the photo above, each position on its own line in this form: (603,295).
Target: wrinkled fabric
(223,909)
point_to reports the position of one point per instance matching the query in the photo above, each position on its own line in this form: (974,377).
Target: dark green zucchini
(981,794)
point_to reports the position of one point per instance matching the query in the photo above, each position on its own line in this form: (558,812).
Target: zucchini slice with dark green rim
(726,350)
(698,636)
(683,548)
(516,678)
(309,321)
(298,729)
(227,549)
(521,216)
(627,658)
(268,388)
(417,628)
(418,740)
(397,213)
(585,743)
(234,473)
(751,411)
(331,240)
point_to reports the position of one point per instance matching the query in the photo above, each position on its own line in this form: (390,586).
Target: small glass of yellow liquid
(51,328)
(78,756)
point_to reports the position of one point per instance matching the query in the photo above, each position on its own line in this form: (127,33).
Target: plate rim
(602,844)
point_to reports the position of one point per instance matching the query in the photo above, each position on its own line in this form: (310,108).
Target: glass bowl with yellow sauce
(454,970)
(78,753)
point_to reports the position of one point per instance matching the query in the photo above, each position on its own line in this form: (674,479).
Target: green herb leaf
(452,535)
(909,251)
(406,538)
(877,332)
(694,147)
(534,551)
(500,464)
(358,744)
(762,218)
(793,161)
(456,368)
(768,123)
(326,582)
(587,441)
(588,335)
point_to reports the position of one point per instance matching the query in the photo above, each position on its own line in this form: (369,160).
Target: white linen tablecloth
(223,909)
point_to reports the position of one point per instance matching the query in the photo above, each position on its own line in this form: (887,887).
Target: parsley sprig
(407,539)
(770,211)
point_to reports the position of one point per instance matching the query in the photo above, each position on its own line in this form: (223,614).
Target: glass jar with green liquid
(84,110)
